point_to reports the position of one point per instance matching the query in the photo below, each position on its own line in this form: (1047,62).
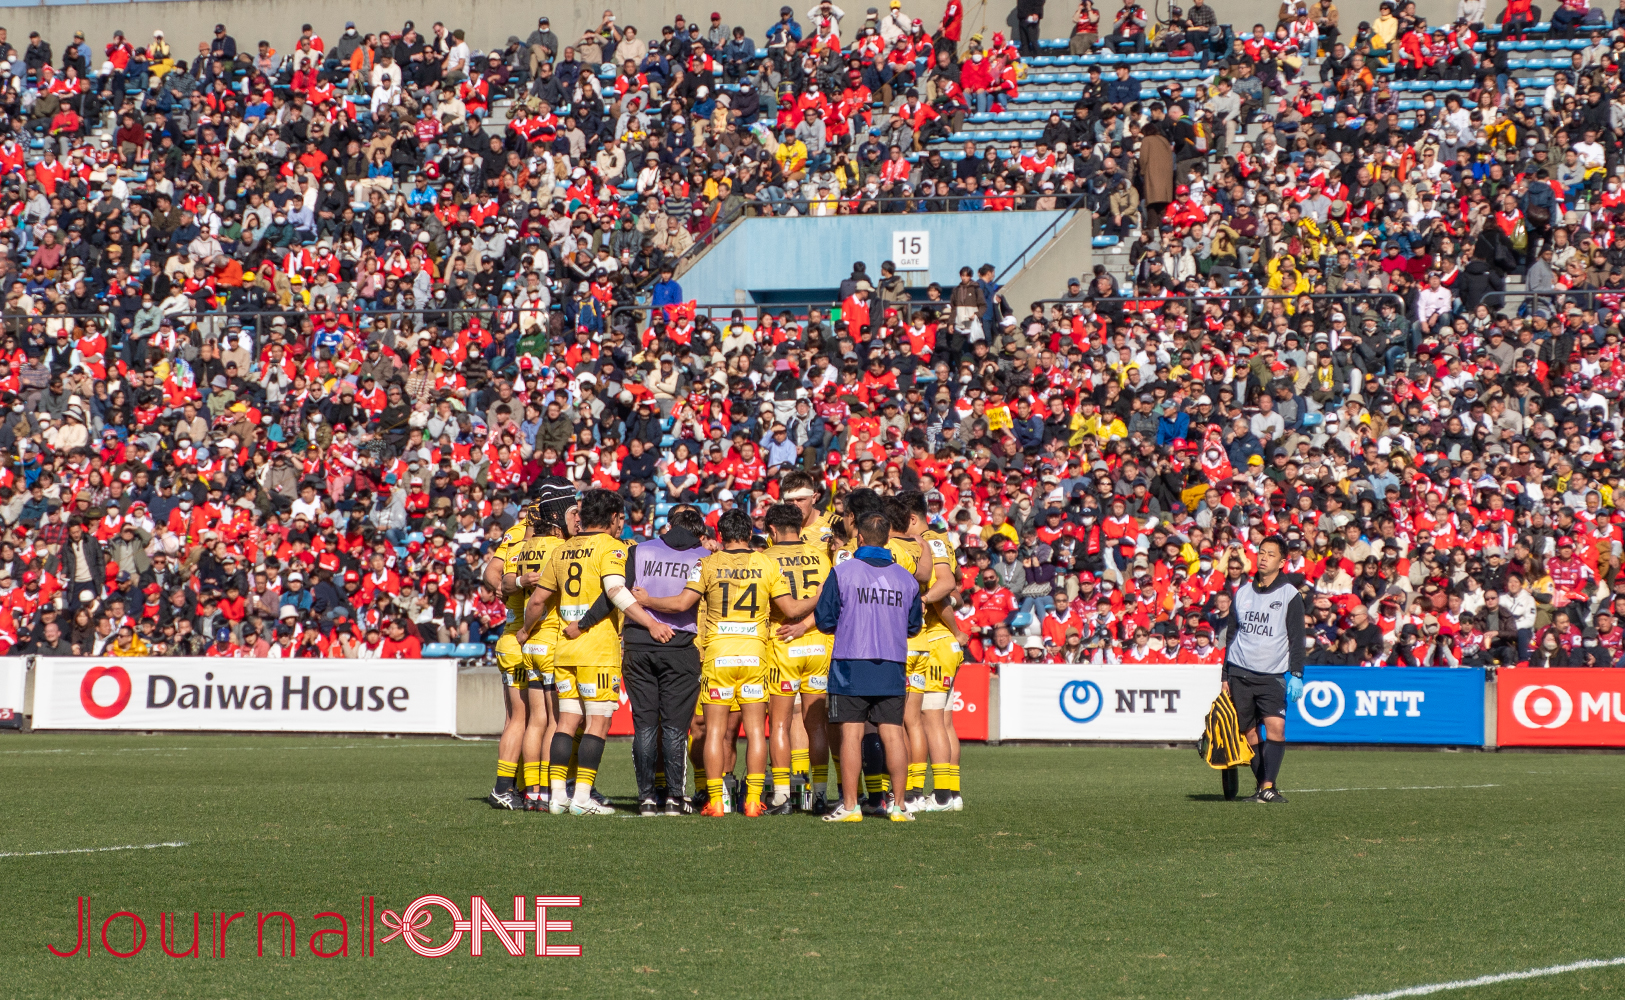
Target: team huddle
(711,633)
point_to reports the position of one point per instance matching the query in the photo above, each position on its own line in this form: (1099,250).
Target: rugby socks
(946,779)
(916,780)
(876,779)
(1257,764)
(534,775)
(781,785)
(589,755)
(800,761)
(506,770)
(753,787)
(1274,751)
(559,774)
(715,789)
(818,774)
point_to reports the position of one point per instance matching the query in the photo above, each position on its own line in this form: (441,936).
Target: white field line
(381,744)
(1391,788)
(1502,977)
(93,850)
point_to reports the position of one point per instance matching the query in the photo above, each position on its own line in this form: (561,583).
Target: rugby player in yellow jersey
(934,657)
(511,662)
(740,588)
(803,491)
(587,664)
(552,519)
(800,659)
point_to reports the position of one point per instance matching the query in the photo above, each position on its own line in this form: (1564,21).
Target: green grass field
(1071,873)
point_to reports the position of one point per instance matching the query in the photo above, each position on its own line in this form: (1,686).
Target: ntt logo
(1081,701)
(1322,703)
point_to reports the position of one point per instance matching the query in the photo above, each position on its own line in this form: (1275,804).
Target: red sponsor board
(620,724)
(970,701)
(1560,707)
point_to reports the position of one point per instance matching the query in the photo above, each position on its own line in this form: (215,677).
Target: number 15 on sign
(911,251)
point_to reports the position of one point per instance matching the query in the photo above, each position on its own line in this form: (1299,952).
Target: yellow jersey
(508,551)
(816,535)
(803,566)
(906,553)
(736,594)
(575,574)
(532,557)
(942,554)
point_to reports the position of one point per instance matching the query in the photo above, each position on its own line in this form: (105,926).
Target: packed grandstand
(292,328)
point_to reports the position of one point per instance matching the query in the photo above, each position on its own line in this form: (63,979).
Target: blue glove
(1294,688)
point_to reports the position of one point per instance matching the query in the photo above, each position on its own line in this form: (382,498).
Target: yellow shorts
(800,666)
(933,663)
(733,681)
(588,683)
(538,664)
(511,661)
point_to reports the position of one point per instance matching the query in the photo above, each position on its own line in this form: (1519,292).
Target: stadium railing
(1368,301)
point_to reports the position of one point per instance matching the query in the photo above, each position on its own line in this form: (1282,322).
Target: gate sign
(911,250)
(1427,705)
(1560,707)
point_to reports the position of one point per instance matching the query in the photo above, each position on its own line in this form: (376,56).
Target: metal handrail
(1224,298)
(1041,237)
(751,310)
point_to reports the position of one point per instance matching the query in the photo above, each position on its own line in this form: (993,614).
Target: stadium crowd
(289,336)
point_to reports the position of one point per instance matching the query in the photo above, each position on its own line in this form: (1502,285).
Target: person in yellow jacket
(792,157)
(1385,28)
(1089,422)
(127,643)
(1288,280)
(159,59)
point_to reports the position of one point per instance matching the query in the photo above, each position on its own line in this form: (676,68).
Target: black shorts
(1257,697)
(662,684)
(879,710)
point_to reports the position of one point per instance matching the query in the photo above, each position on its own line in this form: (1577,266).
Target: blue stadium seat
(465,650)
(440,650)
(1020,620)
(1106,241)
